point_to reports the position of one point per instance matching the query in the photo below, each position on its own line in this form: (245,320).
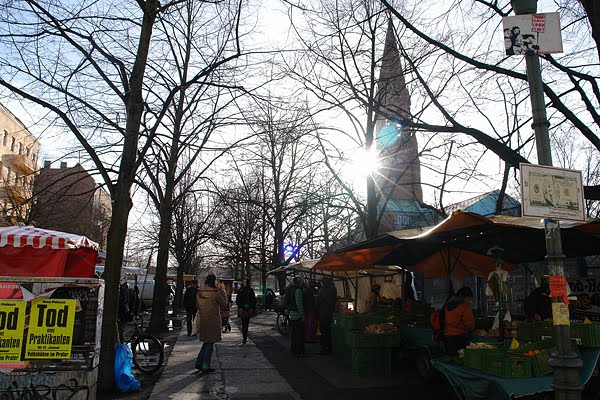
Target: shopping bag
(124,380)
(195,324)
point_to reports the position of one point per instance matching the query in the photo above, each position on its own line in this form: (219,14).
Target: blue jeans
(203,359)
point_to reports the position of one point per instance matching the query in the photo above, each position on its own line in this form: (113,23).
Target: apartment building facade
(19,152)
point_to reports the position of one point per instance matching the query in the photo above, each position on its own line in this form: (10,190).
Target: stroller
(225,314)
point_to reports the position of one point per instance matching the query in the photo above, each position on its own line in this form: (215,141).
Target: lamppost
(566,363)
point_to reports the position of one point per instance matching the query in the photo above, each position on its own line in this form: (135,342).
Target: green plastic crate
(589,334)
(539,362)
(473,357)
(506,365)
(525,331)
(341,350)
(371,361)
(348,322)
(541,329)
(364,339)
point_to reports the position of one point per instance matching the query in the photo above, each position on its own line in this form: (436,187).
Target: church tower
(399,178)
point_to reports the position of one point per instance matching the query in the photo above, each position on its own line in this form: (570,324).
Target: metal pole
(565,362)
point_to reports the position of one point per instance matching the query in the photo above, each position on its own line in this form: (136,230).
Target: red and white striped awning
(21,236)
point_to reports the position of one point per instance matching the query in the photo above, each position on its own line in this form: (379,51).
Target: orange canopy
(460,245)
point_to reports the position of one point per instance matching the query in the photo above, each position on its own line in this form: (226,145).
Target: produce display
(385,328)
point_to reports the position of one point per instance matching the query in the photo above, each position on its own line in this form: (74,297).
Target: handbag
(252,312)
(196,323)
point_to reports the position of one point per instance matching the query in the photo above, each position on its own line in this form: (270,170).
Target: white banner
(532,34)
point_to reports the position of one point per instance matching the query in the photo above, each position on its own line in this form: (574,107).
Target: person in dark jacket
(189,302)
(246,303)
(294,303)
(326,303)
(459,321)
(269,299)
(538,305)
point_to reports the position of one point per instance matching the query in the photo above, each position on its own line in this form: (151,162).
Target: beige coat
(209,302)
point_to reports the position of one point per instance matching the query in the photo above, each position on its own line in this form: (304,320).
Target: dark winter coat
(326,301)
(189,299)
(246,299)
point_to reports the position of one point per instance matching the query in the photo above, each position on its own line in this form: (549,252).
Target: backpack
(437,320)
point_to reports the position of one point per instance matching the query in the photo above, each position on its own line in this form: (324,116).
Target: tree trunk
(371,228)
(158,317)
(178,303)
(592,9)
(122,203)
(112,275)
(159,299)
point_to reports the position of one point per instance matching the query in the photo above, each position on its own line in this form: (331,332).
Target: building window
(1,170)
(33,157)
(7,174)
(12,144)
(4,138)
(402,221)
(27,151)
(20,148)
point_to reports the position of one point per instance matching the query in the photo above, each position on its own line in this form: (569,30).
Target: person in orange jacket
(459,321)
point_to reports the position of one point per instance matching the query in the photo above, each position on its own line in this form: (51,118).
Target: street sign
(532,34)
(549,192)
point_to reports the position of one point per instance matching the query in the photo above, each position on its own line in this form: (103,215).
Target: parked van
(146,291)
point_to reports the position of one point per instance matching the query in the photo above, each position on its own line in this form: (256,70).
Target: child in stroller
(225,314)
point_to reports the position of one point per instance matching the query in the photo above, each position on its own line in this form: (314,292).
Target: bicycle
(148,352)
(283,322)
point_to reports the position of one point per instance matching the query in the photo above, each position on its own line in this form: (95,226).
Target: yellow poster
(560,314)
(51,328)
(12,325)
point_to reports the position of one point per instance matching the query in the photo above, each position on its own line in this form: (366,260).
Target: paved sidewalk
(242,372)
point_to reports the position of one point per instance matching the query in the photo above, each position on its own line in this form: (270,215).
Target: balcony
(19,161)
(18,194)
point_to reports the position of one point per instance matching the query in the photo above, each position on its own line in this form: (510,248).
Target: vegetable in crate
(385,328)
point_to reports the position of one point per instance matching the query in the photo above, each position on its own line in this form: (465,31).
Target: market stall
(460,246)
(54,305)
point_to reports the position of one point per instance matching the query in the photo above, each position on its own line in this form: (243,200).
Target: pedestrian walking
(246,303)
(189,302)
(326,304)
(294,302)
(269,299)
(209,301)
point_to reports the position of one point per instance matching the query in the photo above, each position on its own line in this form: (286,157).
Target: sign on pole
(549,192)
(532,34)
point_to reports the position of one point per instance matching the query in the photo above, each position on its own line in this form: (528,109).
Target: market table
(476,384)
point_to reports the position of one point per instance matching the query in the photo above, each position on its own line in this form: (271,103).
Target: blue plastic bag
(124,380)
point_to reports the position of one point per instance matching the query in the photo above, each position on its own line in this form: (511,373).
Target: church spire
(401,172)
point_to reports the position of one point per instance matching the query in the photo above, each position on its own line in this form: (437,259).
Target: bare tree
(193,115)
(87,62)
(454,77)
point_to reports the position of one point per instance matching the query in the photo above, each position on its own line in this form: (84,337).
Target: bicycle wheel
(283,324)
(148,353)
